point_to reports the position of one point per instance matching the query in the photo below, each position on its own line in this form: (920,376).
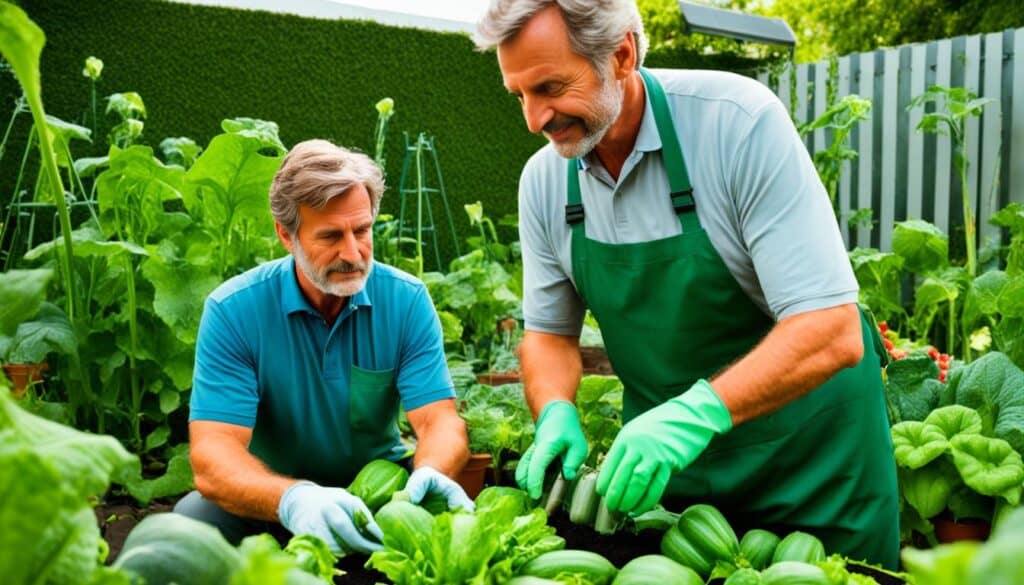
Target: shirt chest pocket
(373,400)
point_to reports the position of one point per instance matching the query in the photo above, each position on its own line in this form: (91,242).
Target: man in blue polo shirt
(302,362)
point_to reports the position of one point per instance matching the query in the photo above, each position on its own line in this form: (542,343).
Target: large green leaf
(912,386)
(264,131)
(135,187)
(230,182)
(180,290)
(62,134)
(916,444)
(50,471)
(989,466)
(176,479)
(992,386)
(983,296)
(924,247)
(21,294)
(878,274)
(49,331)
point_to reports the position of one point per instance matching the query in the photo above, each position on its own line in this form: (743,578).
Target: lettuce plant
(946,461)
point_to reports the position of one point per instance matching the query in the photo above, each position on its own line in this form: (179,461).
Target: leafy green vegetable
(50,472)
(912,387)
(927,489)
(991,385)
(955,420)
(917,444)
(989,466)
(487,546)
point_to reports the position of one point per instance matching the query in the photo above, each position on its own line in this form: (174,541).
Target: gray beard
(321,277)
(609,102)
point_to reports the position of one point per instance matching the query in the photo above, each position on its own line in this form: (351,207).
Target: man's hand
(657,444)
(426,480)
(558,435)
(334,515)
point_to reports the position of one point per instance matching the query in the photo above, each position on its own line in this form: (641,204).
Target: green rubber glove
(657,444)
(558,434)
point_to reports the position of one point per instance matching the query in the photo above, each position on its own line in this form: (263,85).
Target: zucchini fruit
(757,547)
(701,539)
(799,546)
(794,573)
(557,564)
(656,570)
(377,481)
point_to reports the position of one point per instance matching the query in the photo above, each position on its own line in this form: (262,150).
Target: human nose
(537,113)
(349,249)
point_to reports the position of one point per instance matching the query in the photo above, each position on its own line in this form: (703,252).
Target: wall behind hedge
(195,66)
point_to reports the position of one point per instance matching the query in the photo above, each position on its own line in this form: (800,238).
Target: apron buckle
(574,213)
(682,201)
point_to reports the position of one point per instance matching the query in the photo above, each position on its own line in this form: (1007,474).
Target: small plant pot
(948,530)
(499,378)
(21,375)
(471,478)
(595,361)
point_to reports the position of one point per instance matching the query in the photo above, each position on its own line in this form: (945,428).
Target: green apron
(671,313)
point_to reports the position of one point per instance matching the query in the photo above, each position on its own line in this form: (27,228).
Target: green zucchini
(656,570)
(170,548)
(701,539)
(594,568)
(676,547)
(606,522)
(583,507)
(746,576)
(758,546)
(794,573)
(555,494)
(799,546)
(377,482)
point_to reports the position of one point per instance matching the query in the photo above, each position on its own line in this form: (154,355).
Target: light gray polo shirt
(758,197)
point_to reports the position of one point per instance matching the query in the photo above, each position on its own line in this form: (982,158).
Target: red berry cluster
(941,360)
(896,354)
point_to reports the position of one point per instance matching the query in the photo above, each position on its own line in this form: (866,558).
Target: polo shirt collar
(647,139)
(293,301)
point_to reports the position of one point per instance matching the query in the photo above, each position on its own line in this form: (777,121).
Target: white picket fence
(901,173)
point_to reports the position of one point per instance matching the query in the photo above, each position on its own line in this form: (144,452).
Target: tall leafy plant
(957,105)
(21,43)
(840,119)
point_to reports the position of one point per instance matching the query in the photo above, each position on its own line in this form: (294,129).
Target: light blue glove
(334,515)
(426,480)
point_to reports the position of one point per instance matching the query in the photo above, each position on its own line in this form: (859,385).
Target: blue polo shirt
(322,400)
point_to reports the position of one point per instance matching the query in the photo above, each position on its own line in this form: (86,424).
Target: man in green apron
(683,210)
(301,364)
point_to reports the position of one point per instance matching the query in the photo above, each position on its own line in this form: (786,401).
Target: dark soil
(117,516)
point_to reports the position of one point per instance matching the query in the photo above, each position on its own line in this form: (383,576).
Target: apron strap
(681,193)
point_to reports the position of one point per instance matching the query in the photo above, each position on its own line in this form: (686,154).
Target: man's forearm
(231,477)
(551,368)
(799,354)
(445,448)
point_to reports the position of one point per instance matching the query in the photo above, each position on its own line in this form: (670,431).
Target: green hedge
(196,65)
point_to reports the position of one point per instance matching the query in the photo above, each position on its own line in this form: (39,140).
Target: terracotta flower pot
(471,478)
(21,375)
(949,530)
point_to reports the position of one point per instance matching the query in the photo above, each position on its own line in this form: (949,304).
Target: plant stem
(50,166)
(133,330)
(419,207)
(951,329)
(16,195)
(969,228)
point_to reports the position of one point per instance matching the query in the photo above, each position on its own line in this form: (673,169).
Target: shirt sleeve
(423,375)
(224,387)
(787,220)
(551,303)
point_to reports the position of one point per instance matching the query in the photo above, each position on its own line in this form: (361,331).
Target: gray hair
(316,171)
(596,27)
